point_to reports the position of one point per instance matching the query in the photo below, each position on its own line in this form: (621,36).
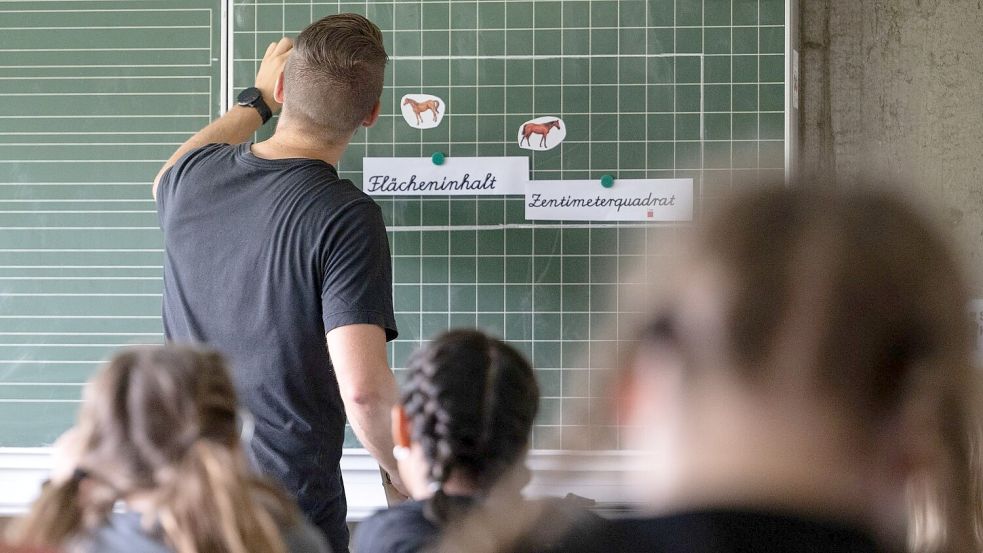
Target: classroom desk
(595,475)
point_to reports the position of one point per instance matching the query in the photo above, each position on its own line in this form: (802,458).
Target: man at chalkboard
(267,252)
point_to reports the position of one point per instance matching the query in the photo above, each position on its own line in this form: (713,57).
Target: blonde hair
(334,76)
(852,296)
(162,422)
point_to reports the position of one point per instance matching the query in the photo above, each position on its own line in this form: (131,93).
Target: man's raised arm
(239,123)
(368,388)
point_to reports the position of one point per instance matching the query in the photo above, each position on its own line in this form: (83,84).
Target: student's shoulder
(403,528)
(305,538)
(565,525)
(122,533)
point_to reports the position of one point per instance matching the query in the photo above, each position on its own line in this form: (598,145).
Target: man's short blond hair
(334,76)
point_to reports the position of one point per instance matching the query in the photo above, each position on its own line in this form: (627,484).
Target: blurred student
(158,434)
(462,429)
(806,361)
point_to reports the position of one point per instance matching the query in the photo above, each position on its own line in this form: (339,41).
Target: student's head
(467,412)
(811,350)
(333,77)
(158,429)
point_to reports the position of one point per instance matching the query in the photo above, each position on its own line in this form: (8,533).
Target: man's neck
(288,143)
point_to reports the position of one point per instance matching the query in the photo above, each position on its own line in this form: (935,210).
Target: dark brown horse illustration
(541,129)
(420,107)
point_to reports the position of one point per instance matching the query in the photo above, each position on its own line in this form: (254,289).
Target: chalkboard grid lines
(646,88)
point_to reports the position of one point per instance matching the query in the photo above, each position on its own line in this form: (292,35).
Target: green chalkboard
(657,88)
(94,96)
(97,94)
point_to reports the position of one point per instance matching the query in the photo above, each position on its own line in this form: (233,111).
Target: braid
(470,400)
(431,429)
(441,451)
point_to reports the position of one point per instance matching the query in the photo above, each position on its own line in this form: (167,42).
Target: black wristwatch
(252,97)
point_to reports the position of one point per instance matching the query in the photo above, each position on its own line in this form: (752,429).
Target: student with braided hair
(461,431)
(158,436)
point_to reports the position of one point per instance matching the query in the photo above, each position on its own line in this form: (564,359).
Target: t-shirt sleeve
(170,179)
(357,275)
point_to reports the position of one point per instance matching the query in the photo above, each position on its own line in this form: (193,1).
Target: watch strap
(252,97)
(264,110)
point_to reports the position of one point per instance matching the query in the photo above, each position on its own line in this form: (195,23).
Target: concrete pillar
(892,93)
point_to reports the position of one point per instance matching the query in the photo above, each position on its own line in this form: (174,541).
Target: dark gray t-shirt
(123,533)
(262,258)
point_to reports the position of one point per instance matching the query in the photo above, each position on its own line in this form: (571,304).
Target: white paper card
(627,200)
(422,111)
(458,176)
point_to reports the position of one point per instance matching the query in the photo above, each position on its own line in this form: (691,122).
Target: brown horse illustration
(541,129)
(420,107)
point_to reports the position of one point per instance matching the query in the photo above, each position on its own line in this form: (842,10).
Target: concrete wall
(892,92)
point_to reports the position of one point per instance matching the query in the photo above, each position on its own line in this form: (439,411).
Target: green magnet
(607,181)
(438,158)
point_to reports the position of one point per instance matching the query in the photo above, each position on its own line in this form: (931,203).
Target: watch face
(248,96)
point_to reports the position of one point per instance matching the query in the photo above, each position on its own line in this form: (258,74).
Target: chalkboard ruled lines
(80,183)
(39,94)
(114,38)
(81,317)
(121,13)
(95,96)
(79,278)
(100,49)
(108,116)
(8,267)
(87,250)
(48,334)
(16,384)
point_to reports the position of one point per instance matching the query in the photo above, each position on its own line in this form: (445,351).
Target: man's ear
(278,89)
(400,427)
(374,116)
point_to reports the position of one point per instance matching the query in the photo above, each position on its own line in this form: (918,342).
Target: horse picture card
(542,133)
(422,111)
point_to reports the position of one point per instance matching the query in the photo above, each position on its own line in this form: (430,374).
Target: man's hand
(269,70)
(395,489)
(239,123)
